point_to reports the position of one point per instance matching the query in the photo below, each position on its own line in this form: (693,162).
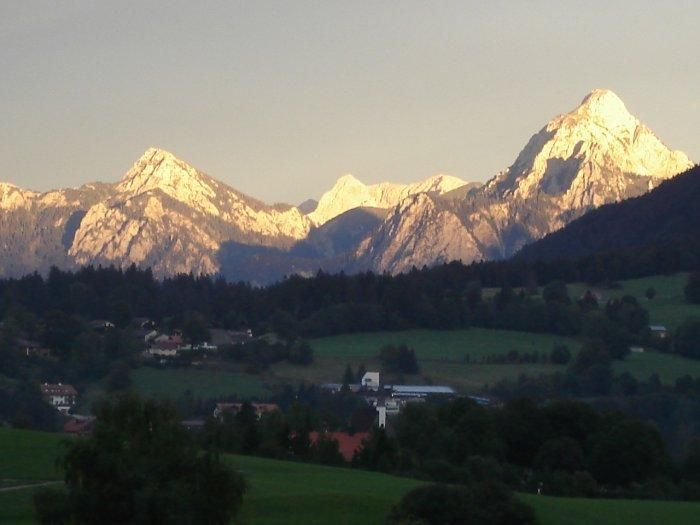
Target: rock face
(36,229)
(173,218)
(596,154)
(349,193)
(167,215)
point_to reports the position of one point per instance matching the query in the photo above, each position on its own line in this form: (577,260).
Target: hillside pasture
(452,357)
(668,307)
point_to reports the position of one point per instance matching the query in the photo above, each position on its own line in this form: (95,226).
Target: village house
(167,342)
(101,325)
(219,337)
(144,336)
(370,381)
(233,409)
(143,323)
(62,397)
(162,352)
(659,331)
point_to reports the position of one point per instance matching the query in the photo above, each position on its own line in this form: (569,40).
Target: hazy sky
(278,99)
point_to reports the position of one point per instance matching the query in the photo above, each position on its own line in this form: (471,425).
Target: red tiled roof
(347,444)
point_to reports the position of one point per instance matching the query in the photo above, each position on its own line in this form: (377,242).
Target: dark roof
(28,343)
(49,389)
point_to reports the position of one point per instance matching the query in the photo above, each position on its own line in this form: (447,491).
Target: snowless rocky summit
(596,154)
(349,193)
(167,215)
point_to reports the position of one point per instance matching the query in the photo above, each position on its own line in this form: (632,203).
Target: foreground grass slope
(284,492)
(579,511)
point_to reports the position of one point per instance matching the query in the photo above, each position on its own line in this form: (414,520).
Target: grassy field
(296,493)
(431,344)
(570,511)
(441,355)
(669,367)
(26,455)
(668,308)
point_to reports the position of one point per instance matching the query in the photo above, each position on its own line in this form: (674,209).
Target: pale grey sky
(278,99)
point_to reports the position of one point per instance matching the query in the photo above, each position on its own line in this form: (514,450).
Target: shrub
(486,503)
(560,355)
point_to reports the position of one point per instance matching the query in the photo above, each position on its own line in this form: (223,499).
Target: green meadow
(283,492)
(451,357)
(667,308)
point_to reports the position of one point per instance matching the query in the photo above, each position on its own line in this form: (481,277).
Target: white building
(370,381)
(381,416)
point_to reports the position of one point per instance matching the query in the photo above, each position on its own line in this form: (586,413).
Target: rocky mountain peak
(595,154)
(604,107)
(348,192)
(158,169)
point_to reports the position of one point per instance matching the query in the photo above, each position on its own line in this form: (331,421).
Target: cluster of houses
(155,343)
(389,399)
(170,345)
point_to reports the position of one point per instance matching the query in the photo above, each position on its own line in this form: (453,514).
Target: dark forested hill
(668,215)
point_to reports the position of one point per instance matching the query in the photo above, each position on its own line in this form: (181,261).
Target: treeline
(440,298)
(560,448)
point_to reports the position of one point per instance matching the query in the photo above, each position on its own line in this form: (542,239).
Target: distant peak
(154,153)
(601,95)
(349,178)
(159,169)
(604,107)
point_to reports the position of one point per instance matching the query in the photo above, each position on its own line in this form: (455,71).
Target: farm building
(420,391)
(61,397)
(370,381)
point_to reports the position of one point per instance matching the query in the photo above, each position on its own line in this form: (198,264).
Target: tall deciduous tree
(140,466)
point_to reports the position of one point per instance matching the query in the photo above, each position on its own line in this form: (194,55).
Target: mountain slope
(596,154)
(663,216)
(36,229)
(167,215)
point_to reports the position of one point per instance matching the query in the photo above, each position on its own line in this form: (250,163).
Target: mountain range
(169,216)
